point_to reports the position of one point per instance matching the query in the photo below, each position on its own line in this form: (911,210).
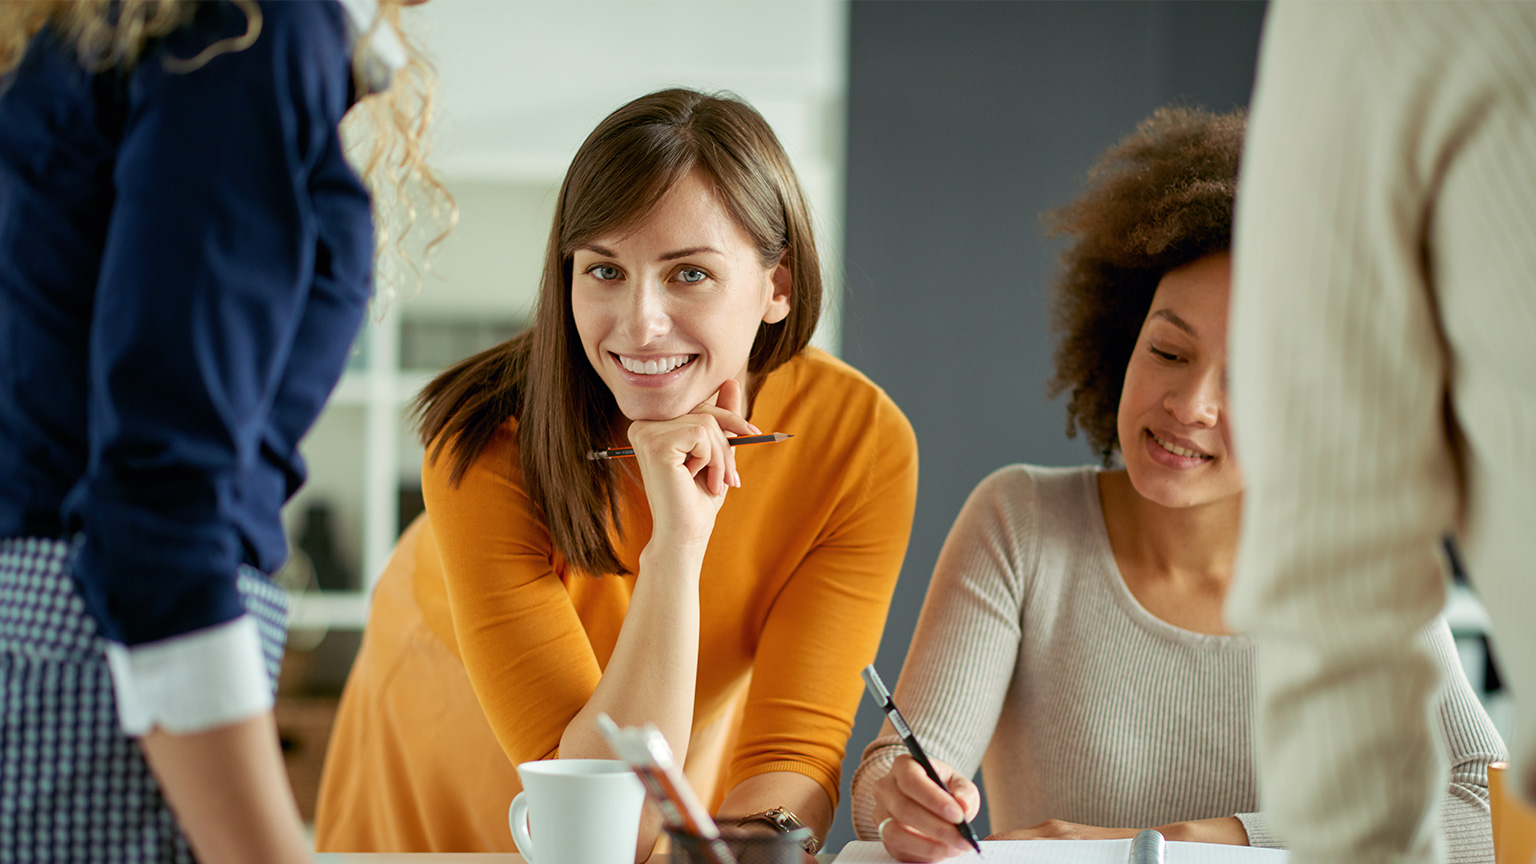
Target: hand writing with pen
(918,817)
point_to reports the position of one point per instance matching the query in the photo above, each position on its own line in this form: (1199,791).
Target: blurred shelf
(495,166)
(328,610)
(356,386)
(352,389)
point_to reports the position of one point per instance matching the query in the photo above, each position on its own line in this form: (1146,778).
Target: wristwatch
(788,823)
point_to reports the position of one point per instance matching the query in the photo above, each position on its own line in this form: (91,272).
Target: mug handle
(517,820)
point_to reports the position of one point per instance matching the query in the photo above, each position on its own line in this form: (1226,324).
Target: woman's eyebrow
(692,250)
(669,256)
(1172,318)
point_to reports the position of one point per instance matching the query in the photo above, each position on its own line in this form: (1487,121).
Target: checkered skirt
(73,787)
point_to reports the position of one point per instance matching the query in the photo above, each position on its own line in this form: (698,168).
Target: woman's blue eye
(605,272)
(691,274)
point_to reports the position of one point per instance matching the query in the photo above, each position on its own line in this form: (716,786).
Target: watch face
(790,824)
(783,818)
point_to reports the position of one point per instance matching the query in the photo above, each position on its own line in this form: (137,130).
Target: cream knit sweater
(1034,661)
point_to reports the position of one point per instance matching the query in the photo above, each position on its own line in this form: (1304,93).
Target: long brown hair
(543,378)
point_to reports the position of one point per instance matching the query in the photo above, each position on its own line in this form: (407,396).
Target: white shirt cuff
(385,53)
(189,683)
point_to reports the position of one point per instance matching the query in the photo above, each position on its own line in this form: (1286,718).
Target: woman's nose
(647,317)
(1200,402)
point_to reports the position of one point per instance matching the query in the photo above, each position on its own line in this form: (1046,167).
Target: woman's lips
(1173,454)
(637,370)
(654,365)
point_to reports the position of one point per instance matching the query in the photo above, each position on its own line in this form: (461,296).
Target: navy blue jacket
(185,260)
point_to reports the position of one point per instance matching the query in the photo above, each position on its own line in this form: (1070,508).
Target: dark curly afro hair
(1158,200)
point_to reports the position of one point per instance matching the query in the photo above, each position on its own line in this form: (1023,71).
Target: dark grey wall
(967,120)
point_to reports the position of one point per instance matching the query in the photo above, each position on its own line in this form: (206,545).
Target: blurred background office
(929,135)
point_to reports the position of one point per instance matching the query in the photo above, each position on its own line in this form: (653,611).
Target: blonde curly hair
(386,134)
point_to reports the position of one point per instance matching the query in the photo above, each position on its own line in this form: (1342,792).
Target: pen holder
(776,848)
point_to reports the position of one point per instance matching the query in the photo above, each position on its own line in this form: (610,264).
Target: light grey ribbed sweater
(1383,392)
(1033,660)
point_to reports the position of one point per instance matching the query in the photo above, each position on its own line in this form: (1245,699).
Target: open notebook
(1074,852)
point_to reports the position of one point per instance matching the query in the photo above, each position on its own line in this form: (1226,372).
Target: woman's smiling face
(668,309)
(1172,423)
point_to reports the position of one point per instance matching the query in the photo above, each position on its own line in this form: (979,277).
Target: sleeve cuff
(1259,832)
(878,759)
(207,678)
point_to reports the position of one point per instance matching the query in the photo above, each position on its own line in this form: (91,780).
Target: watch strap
(788,823)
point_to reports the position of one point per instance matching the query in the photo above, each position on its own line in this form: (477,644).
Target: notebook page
(1218,853)
(1006,852)
(1074,852)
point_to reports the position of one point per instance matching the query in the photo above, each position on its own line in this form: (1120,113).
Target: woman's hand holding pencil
(687,464)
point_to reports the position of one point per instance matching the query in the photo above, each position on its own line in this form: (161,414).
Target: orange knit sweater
(478,636)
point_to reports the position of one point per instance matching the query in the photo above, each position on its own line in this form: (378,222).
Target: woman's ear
(778,304)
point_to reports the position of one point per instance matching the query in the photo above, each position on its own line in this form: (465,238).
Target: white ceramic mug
(582,811)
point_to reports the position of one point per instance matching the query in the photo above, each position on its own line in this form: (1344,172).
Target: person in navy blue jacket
(185,259)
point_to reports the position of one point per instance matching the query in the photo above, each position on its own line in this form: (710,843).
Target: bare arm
(650,678)
(796,793)
(1223,829)
(229,791)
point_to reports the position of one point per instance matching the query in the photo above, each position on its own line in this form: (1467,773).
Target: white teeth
(1177,450)
(654,367)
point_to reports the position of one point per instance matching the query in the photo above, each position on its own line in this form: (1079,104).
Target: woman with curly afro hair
(1072,643)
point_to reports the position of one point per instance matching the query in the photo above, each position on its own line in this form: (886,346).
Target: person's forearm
(229,791)
(1225,829)
(650,676)
(794,792)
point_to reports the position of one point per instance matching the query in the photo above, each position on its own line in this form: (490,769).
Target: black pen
(882,698)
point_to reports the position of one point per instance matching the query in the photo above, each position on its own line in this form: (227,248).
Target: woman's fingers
(719,460)
(725,406)
(729,396)
(924,811)
(915,784)
(709,458)
(729,401)
(693,442)
(904,844)
(965,792)
(924,821)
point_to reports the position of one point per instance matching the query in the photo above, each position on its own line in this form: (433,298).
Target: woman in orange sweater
(729,596)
